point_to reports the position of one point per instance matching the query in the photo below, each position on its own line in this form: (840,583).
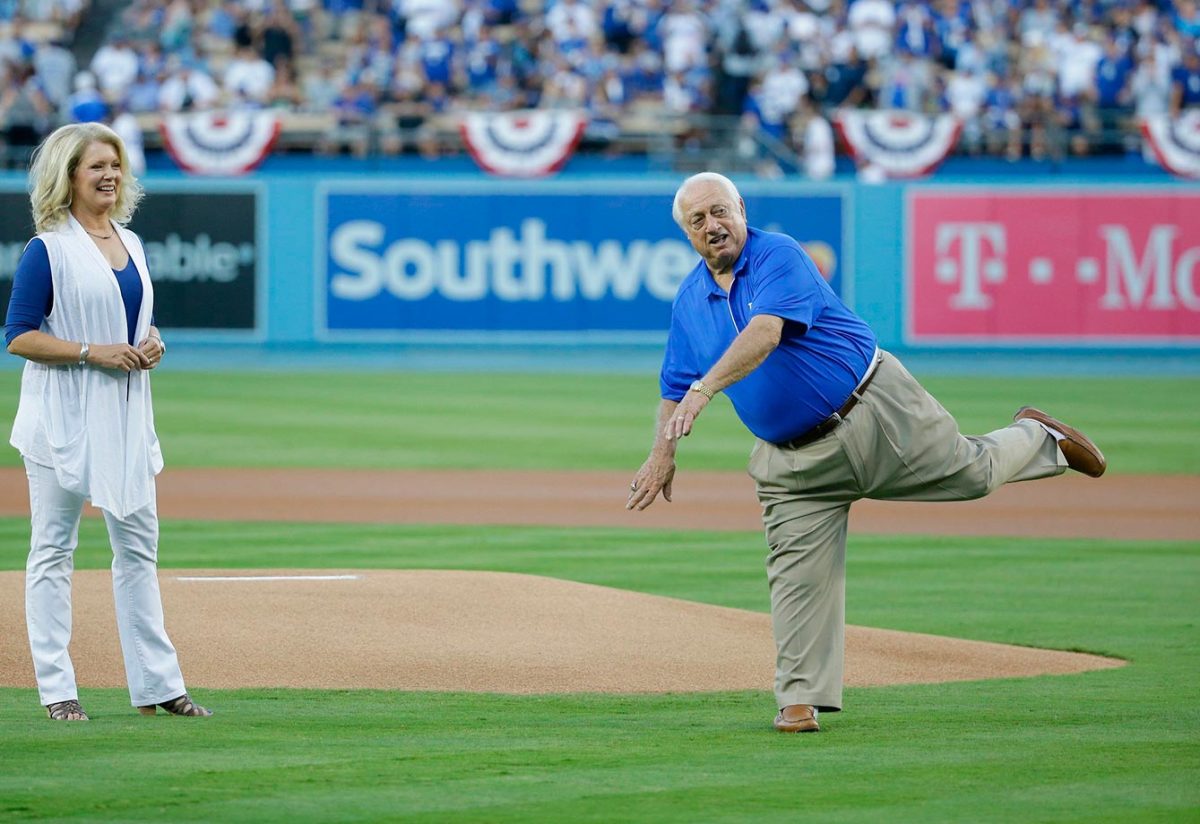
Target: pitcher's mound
(477,631)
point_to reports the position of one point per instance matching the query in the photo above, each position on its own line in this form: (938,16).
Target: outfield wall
(347,262)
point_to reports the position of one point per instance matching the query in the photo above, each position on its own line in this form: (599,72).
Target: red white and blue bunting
(898,143)
(220,143)
(1175,142)
(529,143)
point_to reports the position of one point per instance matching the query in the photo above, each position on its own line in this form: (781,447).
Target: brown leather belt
(833,421)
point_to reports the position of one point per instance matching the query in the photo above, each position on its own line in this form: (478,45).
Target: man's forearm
(662,445)
(748,350)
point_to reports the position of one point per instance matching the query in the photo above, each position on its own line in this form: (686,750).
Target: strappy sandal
(182,705)
(66,711)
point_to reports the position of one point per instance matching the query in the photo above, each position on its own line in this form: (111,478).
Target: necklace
(102,237)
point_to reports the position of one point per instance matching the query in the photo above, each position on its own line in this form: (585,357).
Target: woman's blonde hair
(54,165)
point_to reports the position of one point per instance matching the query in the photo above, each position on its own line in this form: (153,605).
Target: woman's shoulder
(34,262)
(35,250)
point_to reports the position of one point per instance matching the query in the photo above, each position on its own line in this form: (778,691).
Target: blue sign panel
(528,261)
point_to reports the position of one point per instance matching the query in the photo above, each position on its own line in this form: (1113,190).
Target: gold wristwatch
(698,386)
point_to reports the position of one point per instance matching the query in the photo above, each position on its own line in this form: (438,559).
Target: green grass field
(1117,745)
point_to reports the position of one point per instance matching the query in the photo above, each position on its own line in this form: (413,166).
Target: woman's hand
(118,356)
(154,349)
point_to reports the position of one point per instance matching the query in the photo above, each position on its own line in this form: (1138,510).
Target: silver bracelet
(161,343)
(83,353)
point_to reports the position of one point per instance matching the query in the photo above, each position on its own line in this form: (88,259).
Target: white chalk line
(268,578)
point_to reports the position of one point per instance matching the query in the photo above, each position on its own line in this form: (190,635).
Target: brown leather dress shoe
(1082,455)
(797,718)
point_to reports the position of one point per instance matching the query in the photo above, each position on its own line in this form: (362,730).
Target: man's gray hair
(702,177)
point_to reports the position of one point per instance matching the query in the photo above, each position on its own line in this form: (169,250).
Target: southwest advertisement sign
(524,260)
(201,249)
(1038,267)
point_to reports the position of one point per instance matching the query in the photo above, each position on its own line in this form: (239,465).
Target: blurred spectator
(1185,80)
(1078,124)
(284,92)
(1038,89)
(1187,19)
(783,85)
(808,35)
(177,25)
(872,23)
(1112,93)
(26,115)
(616,24)
(86,104)
(1150,89)
(844,82)
(55,67)
(126,125)
(764,22)
(564,87)
(1078,58)
(481,63)
(145,93)
(965,97)
(816,142)
(738,62)
(571,18)
(355,109)
(1037,23)
(1001,117)
(907,83)
(248,78)
(115,66)
(187,88)
(425,18)
(684,37)
(321,87)
(279,35)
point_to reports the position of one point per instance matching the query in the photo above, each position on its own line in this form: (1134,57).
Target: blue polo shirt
(823,354)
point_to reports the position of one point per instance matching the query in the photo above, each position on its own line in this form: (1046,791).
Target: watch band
(699,386)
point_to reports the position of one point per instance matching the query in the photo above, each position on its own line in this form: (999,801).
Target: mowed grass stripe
(379,420)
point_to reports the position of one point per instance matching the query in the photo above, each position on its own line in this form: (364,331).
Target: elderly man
(837,419)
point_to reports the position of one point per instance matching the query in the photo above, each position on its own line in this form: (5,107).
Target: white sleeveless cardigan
(94,426)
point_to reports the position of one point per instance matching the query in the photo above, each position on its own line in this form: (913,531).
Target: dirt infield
(498,632)
(478,631)
(1113,507)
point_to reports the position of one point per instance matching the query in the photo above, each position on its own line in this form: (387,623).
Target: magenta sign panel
(1030,267)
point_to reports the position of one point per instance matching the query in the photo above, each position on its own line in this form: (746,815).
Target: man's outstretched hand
(655,476)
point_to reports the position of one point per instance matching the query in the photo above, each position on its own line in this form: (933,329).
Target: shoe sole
(1082,455)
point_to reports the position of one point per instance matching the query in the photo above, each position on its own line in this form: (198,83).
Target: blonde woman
(81,314)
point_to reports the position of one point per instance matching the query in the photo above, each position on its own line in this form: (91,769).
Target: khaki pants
(898,443)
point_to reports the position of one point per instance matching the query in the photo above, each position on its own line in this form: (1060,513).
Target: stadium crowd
(1026,77)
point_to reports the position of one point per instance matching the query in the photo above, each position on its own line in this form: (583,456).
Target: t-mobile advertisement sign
(201,249)
(1030,267)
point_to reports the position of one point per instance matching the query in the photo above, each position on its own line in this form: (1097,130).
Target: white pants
(151,666)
